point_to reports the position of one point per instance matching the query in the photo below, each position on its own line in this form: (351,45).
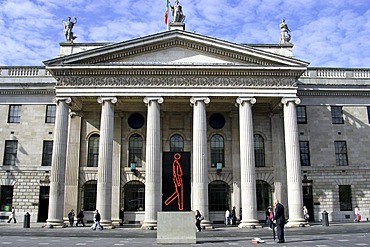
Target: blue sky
(326,33)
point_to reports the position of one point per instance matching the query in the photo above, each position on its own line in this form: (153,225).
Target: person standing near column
(279,219)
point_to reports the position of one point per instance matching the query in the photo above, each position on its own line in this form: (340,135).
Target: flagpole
(167,10)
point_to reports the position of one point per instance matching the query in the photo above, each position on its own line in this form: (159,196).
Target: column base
(250,224)
(107,226)
(55,223)
(296,223)
(206,224)
(149,225)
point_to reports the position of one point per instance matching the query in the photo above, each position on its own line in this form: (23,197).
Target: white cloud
(325,33)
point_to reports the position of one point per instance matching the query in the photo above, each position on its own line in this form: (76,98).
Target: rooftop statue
(177,14)
(68,26)
(284,33)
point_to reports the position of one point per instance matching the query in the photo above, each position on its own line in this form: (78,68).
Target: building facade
(100,126)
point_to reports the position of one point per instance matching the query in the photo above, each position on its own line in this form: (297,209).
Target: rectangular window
(345,197)
(14,114)
(337,115)
(301,114)
(47,152)
(304,149)
(341,157)
(6,197)
(368,114)
(50,113)
(10,154)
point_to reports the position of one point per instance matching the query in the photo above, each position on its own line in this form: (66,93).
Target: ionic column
(104,185)
(58,164)
(200,161)
(73,163)
(278,157)
(116,169)
(247,163)
(153,166)
(235,150)
(293,162)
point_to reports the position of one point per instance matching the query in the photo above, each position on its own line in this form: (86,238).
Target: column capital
(76,114)
(67,100)
(285,101)
(242,100)
(113,100)
(193,100)
(158,99)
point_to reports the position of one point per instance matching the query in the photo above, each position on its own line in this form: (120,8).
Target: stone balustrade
(23,71)
(34,71)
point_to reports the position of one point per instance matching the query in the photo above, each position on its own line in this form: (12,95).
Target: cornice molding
(175,71)
(189,81)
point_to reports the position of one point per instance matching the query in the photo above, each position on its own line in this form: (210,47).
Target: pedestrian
(357,214)
(305,214)
(121,216)
(233,221)
(97,221)
(80,217)
(269,217)
(198,219)
(227,216)
(279,219)
(12,216)
(71,217)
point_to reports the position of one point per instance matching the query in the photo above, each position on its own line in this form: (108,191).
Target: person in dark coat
(198,219)
(279,218)
(80,217)
(121,216)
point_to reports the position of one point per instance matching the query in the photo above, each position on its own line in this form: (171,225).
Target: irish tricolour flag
(166,13)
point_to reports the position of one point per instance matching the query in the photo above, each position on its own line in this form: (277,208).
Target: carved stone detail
(178,81)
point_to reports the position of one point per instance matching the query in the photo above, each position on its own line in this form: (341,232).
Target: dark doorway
(308,200)
(43,204)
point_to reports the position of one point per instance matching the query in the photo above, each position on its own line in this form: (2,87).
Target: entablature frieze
(186,81)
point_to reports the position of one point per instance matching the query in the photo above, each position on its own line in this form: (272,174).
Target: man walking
(279,218)
(97,221)
(80,217)
(12,216)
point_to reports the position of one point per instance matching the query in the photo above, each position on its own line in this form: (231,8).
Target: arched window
(259,150)
(135,150)
(263,192)
(219,196)
(89,195)
(177,143)
(134,196)
(217,150)
(93,151)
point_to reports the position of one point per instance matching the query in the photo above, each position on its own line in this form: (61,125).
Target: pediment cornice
(185,70)
(224,50)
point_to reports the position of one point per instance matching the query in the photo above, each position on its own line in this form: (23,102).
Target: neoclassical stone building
(111,126)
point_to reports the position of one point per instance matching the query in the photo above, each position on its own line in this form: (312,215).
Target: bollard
(325,219)
(27,219)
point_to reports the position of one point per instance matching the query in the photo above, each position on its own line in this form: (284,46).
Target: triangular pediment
(176,47)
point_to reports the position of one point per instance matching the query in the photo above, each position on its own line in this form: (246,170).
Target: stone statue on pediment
(284,33)
(177,14)
(68,26)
